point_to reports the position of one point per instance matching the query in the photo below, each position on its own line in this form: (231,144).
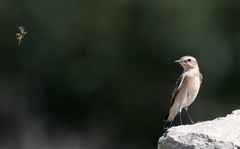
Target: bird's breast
(192,86)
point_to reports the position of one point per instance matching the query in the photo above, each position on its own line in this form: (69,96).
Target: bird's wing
(176,89)
(201,78)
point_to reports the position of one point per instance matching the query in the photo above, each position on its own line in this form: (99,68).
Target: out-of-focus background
(99,74)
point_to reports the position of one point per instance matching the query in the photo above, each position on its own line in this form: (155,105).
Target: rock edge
(220,133)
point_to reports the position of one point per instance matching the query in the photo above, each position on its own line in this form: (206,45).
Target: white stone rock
(220,133)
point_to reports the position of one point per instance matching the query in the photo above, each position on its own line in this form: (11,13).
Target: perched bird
(20,35)
(186,90)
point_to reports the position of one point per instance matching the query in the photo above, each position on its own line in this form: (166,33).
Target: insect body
(20,35)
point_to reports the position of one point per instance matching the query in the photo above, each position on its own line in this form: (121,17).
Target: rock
(220,133)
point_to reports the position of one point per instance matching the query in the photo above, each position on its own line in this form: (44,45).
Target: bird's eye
(189,60)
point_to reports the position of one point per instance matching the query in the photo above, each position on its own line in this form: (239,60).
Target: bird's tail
(170,117)
(168,122)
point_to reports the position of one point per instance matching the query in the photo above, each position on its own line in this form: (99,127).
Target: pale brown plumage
(186,90)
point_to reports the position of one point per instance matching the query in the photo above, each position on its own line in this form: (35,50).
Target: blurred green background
(96,74)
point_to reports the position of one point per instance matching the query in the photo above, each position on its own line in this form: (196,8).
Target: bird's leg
(180,115)
(189,117)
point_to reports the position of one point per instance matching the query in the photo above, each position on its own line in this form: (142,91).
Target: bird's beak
(177,61)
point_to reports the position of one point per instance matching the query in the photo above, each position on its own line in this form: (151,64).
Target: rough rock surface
(220,133)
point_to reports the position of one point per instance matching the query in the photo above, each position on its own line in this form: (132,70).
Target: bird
(186,90)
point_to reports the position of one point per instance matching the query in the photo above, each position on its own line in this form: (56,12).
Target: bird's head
(187,62)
